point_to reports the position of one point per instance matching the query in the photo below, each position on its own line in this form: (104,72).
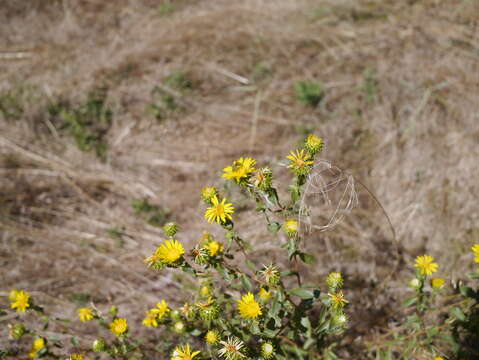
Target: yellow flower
(20,300)
(219,212)
(300,162)
(425,265)
(475,251)
(337,300)
(170,251)
(264,294)
(437,283)
(76,357)
(212,337)
(248,307)
(240,171)
(119,326)
(214,248)
(162,308)
(85,314)
(38,344)
(291,226)
(184,353)
(151,319)
(314,144)
(438,358)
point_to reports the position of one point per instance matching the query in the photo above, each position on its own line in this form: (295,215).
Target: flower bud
(179,327)
(208,193)
(314,144)
(99,345)
(17,331)
(113,310)
(334,280)
(170,228)
(267,350)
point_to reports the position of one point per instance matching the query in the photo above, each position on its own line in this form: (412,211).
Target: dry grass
(414,143)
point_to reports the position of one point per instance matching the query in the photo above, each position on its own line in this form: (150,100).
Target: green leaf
(468,292)
(196,332)
(308,259)
(302,293)
(409,301)
(74,341)
(273,227)
(458,314)
(246,283)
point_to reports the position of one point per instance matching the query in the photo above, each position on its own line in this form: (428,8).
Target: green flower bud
(170,229)
(113,310)
(179,327)
(210,313)
(17,331)
(267,350)
(208,193)
(175,315)
(334,280)
(99,345)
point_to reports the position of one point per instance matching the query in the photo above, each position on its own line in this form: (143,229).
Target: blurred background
(114,115)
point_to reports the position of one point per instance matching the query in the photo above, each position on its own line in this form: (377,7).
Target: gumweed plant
(242,309)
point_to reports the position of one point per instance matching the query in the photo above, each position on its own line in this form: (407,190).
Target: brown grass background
(415,146)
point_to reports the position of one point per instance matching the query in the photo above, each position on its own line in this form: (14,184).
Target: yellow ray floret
(425,265)
(214,248)
(219,212)
(20,300)
(475,251)
(170,251)
(240,170)
(184,353)
(300,162)
(85,314)
(248,307)
(119,326)
(38,344)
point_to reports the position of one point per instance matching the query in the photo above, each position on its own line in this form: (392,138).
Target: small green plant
(168,103)
(370,85)
(166,8)
(309,92)
(87,123)
(154,214)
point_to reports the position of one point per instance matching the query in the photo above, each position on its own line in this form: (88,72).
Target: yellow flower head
(20,300)
(85,314)
(337,300)
(76,357)
(475,251)
(314,144)
(212,337)
(264,294)
(170,251)
(205,290)
(184,353)
(219,212)
(214,248)
(437,283)
(425,265)
(291,227)
(38,344)
(300,162)
(208,193)
(240,171)
(119,326)
(162,308)
(151,319)
(438,358)
(248,307)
